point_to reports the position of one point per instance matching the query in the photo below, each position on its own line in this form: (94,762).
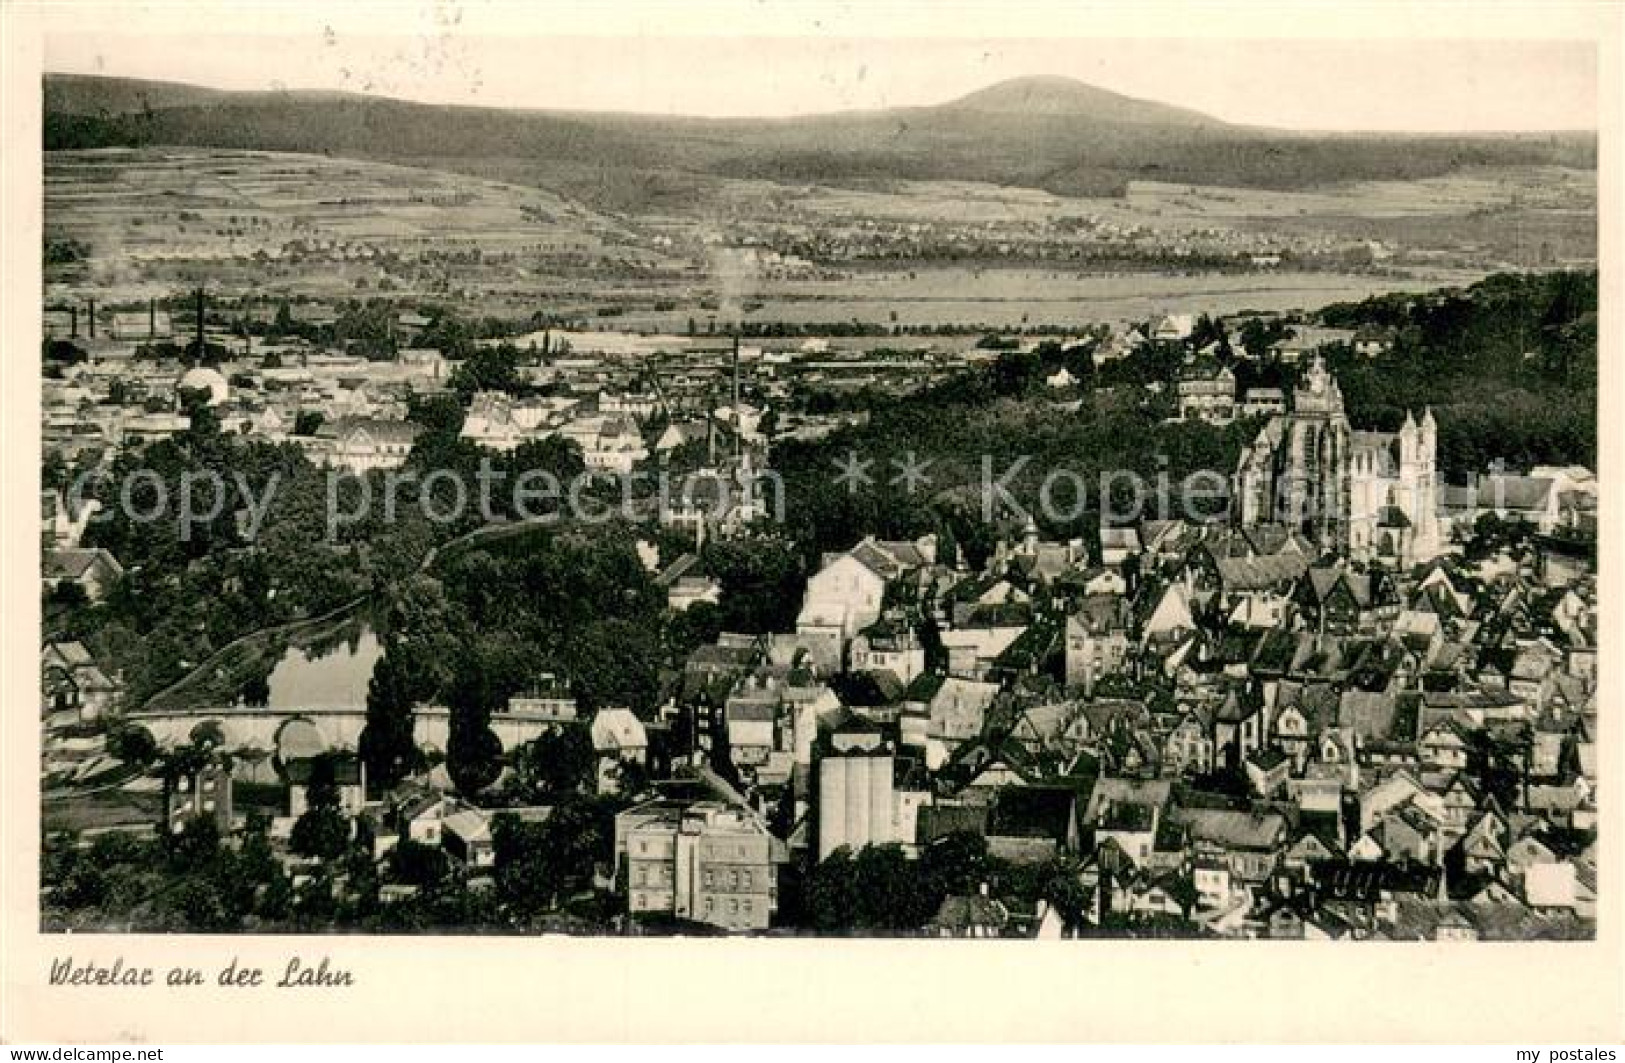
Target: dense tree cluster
(880,890)
(1509,366)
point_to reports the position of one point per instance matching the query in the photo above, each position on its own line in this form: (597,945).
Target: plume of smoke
(737,274)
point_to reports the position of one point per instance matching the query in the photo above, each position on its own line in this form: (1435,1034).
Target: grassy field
(151,216)
(157,219)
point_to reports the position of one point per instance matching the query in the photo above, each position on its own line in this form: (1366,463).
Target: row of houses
(1226,727)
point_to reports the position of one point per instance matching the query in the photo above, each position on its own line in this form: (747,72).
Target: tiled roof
(1256,573)
(73,564)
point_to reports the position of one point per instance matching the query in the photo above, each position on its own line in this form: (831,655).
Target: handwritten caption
(299,973)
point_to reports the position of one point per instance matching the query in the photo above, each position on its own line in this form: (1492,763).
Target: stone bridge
(339,727)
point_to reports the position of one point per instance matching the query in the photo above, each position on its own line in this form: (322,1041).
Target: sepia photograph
(1045,511)
(1120,491)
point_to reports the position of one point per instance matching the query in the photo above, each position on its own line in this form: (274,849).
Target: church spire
(1317,374)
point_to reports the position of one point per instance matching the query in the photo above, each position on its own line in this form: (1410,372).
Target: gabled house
(72,683)
(93,571)
(1303,712)
(1206,391)
(973,651)
(1267,771)
(1338,599)
(1251,841)
(846,594)
(972,916)
(617,736)
(1188,747)
(1409,833)
(687,583)
(958,710)
(889,645)
(1097,641)
(466,837)
(1444,747)
(1169,615)
(362,444)
(1482,848)
(1238,726)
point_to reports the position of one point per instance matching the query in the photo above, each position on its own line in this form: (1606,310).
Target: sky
(441,54)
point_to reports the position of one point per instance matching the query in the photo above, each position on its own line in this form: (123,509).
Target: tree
(415,864)
(473,751)
(487,369)
(306,422)
(956,863)
(891,891)
(527,873)
(256,692)
(556,455)
(283,323)
(877,888)
(831,892)
(438,413)
(555,763)
(322,832)
(1207,331)
(1258,335)
(133,744)
(761,582)
(194,845)
(386,745)
(631,777)
(208,736)
(536,862)
(1016,373)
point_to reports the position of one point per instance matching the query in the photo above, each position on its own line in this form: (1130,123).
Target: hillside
(1052,134)
(1064,96)
(1508,366)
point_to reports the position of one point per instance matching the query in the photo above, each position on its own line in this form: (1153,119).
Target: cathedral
(1370,495)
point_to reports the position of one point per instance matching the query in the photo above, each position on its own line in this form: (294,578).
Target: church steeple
(1318,377)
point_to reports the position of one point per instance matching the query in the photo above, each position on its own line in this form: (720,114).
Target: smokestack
(92,319)
(200,347)
(152,319)
(736,374)
(739,421)
(73,322)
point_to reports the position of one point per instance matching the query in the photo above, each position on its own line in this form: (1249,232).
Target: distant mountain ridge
(1049,133)
(1049,95)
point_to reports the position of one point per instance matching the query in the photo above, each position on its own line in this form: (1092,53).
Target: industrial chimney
(739,421)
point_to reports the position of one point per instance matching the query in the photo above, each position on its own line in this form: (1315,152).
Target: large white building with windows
(705,862)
